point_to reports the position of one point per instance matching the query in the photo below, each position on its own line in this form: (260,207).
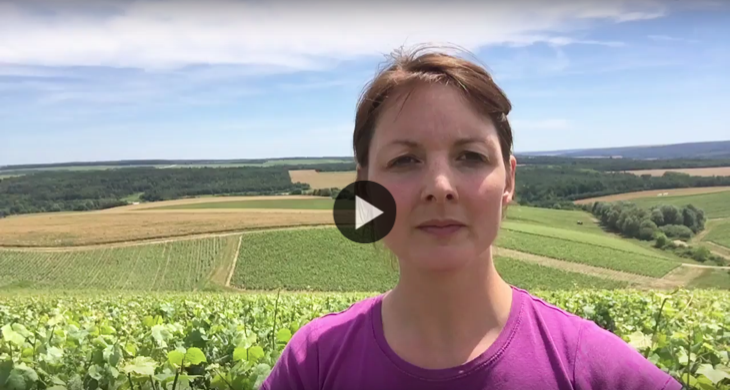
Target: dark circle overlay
(344,211)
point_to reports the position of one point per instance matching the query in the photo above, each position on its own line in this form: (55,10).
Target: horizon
(529,153)
(117,81)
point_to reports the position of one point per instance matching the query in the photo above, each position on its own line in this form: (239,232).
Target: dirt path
(712,246)
(233,263)
(634,280)
(718,249)
(681,276)
(688,265)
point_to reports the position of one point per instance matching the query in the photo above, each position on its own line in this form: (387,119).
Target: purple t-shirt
(541,347)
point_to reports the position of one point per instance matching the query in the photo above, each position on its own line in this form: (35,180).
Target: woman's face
(443,165)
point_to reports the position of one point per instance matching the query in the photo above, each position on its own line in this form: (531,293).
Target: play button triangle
(364,212)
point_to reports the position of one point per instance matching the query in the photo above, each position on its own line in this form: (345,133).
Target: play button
(364,212)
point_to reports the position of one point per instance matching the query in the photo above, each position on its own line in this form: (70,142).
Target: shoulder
(312,347)
(596,357)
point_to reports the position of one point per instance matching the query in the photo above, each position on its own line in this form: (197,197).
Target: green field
(316,259)
(712,279)
(323,260)
(181,265)
(564,219)
(715,205)
(231,341)
(585,253)
(603,240)
(719,233)
(316,203)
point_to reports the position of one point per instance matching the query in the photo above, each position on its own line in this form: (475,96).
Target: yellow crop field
(322,179)
(84,228)
(718,171)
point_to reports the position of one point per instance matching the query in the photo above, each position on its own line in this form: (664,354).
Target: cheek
(405,194)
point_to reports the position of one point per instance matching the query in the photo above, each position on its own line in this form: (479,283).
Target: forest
(621,164)
(559,186)
(49,191)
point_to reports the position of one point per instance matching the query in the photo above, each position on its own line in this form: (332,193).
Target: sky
(119,80)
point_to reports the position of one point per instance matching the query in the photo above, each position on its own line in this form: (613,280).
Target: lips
(441,228)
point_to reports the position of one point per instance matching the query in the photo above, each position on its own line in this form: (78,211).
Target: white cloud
(164,34)
(666,38)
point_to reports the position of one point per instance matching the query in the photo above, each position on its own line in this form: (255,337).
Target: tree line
(559,186)
(48,191)
(621,164)
(662,223)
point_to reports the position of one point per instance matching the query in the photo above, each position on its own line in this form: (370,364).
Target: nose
(439,184)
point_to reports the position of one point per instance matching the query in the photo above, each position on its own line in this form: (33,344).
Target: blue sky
(110,80)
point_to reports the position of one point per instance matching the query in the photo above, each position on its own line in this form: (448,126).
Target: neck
(463,303)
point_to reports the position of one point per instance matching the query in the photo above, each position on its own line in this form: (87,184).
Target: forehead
(431,114)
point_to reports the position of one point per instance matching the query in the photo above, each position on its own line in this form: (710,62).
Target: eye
(402,160)
(472,157)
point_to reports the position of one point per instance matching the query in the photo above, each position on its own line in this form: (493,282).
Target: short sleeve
(297,368)
(606,362)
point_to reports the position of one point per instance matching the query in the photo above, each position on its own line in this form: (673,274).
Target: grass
(604,240)
(653,194)
(719,233)
(715,205)
(533,276)
(174,266)
(84,228)
(714,279)
(586,253)
(133,198)
(323,260)
(297,204)
(565,219)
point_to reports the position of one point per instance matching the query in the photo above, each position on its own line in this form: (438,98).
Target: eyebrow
(459,142)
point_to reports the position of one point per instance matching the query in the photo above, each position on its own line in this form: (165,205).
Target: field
(186,265)
(119,308)
(322,179)
(653,194)
(232,341)
(564,219)
(712,278)
(65,229)
(323,260)
(590,237)
(715,205)
(314,203)
(585,253)
(719,234)
(719,171)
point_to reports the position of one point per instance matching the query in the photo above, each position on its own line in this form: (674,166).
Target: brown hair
(406,69)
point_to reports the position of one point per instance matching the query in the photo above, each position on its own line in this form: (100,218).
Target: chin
(441,258)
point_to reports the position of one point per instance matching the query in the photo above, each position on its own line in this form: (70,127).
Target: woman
(432,129)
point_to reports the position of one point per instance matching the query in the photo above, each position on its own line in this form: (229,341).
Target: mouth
(441,228)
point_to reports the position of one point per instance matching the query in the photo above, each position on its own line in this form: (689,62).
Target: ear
(509,191)
(361,173)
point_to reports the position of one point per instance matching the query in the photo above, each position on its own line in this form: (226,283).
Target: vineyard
(230,342)
(586,253)
(323,260)
(179,265)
